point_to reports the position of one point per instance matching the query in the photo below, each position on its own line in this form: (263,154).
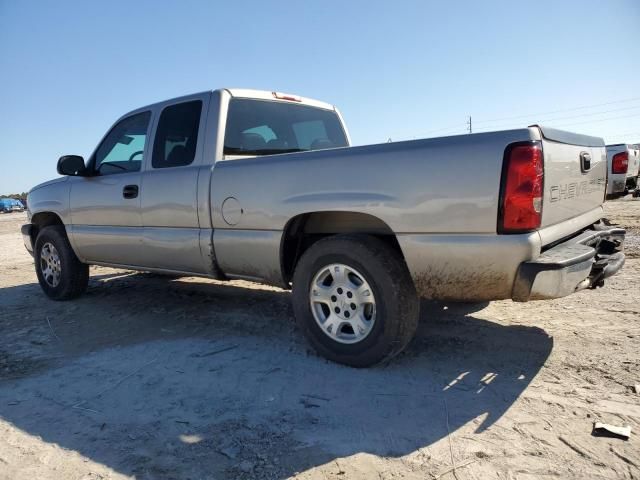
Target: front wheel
(60,274)
(354,299)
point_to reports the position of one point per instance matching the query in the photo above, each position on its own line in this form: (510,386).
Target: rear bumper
(27,238)
(582,262)
(616,184)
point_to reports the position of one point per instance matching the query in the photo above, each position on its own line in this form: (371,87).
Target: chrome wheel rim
(50,265)
(342,303)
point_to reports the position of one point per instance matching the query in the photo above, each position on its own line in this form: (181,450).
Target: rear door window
(177,135)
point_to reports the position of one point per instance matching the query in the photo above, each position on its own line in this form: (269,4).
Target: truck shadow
(163,378)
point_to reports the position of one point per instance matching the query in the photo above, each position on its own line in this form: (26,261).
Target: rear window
(263,127)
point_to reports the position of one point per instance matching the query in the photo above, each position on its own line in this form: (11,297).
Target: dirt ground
(149,377)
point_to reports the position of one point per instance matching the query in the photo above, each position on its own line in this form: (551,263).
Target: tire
(393,315)
(66,277)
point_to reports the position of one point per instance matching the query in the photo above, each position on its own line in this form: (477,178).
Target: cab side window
(177,135)
(123,148)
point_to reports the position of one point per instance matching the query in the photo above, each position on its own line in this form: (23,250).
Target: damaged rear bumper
(582,262)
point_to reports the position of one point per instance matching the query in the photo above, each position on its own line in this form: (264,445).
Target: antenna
(470,125)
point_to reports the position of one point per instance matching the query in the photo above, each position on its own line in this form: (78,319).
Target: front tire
(61,274)
(354,299)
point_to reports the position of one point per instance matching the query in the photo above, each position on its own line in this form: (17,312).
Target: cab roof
(273,95)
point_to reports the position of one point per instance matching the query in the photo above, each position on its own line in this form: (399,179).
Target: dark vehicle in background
(8,205)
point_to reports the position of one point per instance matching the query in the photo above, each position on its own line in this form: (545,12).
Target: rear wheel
(354,299)
(60,274)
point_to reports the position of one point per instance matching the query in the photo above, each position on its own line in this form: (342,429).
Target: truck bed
(439,196)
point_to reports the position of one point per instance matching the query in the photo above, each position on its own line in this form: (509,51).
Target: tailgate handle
(585,162)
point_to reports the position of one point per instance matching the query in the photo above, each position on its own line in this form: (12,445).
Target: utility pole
(470,125)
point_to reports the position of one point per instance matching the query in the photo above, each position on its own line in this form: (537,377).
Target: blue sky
(400,70)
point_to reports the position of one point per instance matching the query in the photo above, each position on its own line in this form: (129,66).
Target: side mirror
(72,165)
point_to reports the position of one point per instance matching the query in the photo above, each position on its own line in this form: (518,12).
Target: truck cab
(142,197)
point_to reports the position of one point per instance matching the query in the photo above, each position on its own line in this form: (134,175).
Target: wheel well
(304,230)
(41,220)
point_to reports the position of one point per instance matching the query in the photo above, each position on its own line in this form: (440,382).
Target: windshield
(263,127)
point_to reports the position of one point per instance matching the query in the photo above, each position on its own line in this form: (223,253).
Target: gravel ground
(149,377)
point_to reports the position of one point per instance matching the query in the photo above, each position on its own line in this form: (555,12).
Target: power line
(546,120)
(456,127)
(489,129)
(459,129)
(600,120)
(622,135)
(628,134)
(528,115)
(590,114)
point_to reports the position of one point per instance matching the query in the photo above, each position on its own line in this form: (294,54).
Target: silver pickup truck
(264,186)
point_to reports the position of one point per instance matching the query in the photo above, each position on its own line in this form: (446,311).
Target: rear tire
(332,312)
(61,274)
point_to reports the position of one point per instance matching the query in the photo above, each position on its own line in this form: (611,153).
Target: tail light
(620,162)
(522,188)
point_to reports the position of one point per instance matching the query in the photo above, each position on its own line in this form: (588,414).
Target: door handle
(130,191)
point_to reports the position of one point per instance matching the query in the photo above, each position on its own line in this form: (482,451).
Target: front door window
(122,149)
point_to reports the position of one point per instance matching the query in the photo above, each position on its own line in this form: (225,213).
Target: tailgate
(634,163)
(575,175)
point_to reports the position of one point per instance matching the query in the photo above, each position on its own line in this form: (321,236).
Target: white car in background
(623,165)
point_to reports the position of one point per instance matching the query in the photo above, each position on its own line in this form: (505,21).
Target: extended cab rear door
(169,192)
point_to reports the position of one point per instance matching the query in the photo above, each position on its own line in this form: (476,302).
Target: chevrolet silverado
(264,186)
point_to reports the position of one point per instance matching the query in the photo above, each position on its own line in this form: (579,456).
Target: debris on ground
(612,431)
